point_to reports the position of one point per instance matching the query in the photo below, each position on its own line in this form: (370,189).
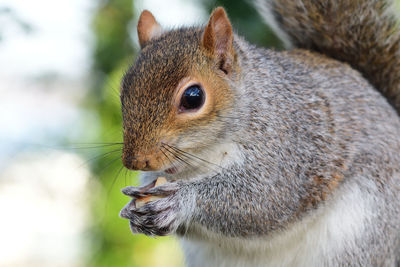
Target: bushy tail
(363,33)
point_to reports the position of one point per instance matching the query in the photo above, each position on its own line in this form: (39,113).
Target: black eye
(192,98)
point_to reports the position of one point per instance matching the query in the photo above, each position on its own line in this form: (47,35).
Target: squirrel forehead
(163,62)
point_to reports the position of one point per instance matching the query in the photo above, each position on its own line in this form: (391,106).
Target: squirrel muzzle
(142,161)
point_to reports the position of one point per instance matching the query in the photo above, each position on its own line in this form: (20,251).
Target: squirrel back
(363,33)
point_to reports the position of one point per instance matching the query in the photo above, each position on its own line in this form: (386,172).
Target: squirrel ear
(148,28)
(218,39)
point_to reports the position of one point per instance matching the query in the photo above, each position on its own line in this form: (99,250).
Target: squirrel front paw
(159,217)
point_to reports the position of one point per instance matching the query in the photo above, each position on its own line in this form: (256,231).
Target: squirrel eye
(192,99)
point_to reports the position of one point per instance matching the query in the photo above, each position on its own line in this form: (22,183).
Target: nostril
(147,164)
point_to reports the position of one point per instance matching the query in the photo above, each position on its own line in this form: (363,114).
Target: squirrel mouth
(171,170)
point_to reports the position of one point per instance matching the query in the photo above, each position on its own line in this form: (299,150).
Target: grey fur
(305,131)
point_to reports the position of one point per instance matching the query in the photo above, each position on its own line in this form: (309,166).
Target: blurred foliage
(112,242)
(112,48)
(110,26)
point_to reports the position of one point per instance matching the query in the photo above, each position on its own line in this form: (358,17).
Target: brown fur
(200,56)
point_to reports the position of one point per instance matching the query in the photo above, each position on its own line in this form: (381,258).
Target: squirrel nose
(139,162)
(142,164)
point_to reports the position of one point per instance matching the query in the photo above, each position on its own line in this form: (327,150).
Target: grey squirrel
(273,158)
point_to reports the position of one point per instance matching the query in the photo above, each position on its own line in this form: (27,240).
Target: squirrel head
(176,90)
